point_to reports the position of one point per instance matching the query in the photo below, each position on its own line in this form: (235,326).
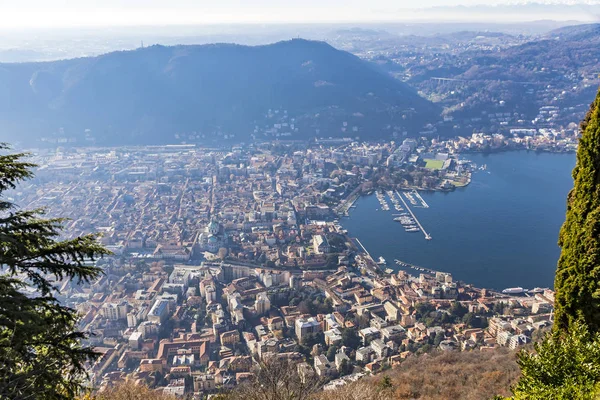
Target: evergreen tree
(562,367)
(566,365)
(41,356)
(386,383)
(577,282)
(351,339)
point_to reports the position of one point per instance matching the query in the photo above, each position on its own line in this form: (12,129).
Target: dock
(344,208)
(427,235)
(415,267)
(418,196)
(370,261)
(364,249)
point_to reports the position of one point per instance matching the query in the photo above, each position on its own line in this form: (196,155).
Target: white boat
(516,290)
(381,261)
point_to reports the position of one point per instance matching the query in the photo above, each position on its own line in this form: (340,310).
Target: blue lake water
(501,231)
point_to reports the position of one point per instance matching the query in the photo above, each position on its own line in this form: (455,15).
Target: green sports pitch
(433,164)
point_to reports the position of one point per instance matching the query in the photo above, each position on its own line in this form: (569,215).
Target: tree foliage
(277,379)
(40,352)
(350,338)
(129,392)
(562,367)
(577,281)
(472,375)
(566,365)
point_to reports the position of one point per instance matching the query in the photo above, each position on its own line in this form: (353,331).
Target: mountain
(520,77)
(576,32)
(151,94)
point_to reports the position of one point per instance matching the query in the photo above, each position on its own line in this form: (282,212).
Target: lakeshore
(515,208)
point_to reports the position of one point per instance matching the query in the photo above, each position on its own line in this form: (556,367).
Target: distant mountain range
(559,68)
(576,32)
(150,95)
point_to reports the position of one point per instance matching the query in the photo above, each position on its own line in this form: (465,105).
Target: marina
(407,222)
(532,222)
(420,199)
(382,201)
(394,201)
(415,199)
(418,226)
(415,267)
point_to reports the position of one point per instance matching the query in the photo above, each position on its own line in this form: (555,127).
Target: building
(267,346)
(340,356)
(503,338)
(518,340)
(159,311)
(323,367)
(204,383)
(392,312)
(230,338)
(380,348)
(369,334)
(135,340)
(396,332)
(115,311)
(304,326)
(262,304)
(333,337)
(365,354)
(152,364)
(320,244)
(175,388)
(213,237)
(276,323)
(199,348)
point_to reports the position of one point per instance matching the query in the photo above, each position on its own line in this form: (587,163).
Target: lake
(500,231)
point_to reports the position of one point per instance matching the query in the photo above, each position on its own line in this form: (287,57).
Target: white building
(115,311)
(304,326)
(262,304)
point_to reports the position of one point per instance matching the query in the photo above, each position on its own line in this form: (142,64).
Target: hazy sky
(25,14)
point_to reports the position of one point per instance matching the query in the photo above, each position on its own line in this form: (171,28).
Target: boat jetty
(419,199)
(415,199)
(415,222)
(394,201)
(407,222)
(415,267)
(381,198)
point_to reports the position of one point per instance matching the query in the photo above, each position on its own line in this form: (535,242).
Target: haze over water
(501,231)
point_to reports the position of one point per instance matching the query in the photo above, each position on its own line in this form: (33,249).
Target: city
(299,200)
(225,258)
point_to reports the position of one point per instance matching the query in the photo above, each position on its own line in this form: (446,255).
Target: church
(213,237)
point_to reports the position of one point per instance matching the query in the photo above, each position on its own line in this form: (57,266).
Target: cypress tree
(577,281)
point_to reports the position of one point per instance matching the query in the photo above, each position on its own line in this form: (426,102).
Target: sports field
(433,164)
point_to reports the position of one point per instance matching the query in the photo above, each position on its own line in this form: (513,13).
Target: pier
(416,267)
(364,249)
(427,235)
(370,262)
(418,196)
